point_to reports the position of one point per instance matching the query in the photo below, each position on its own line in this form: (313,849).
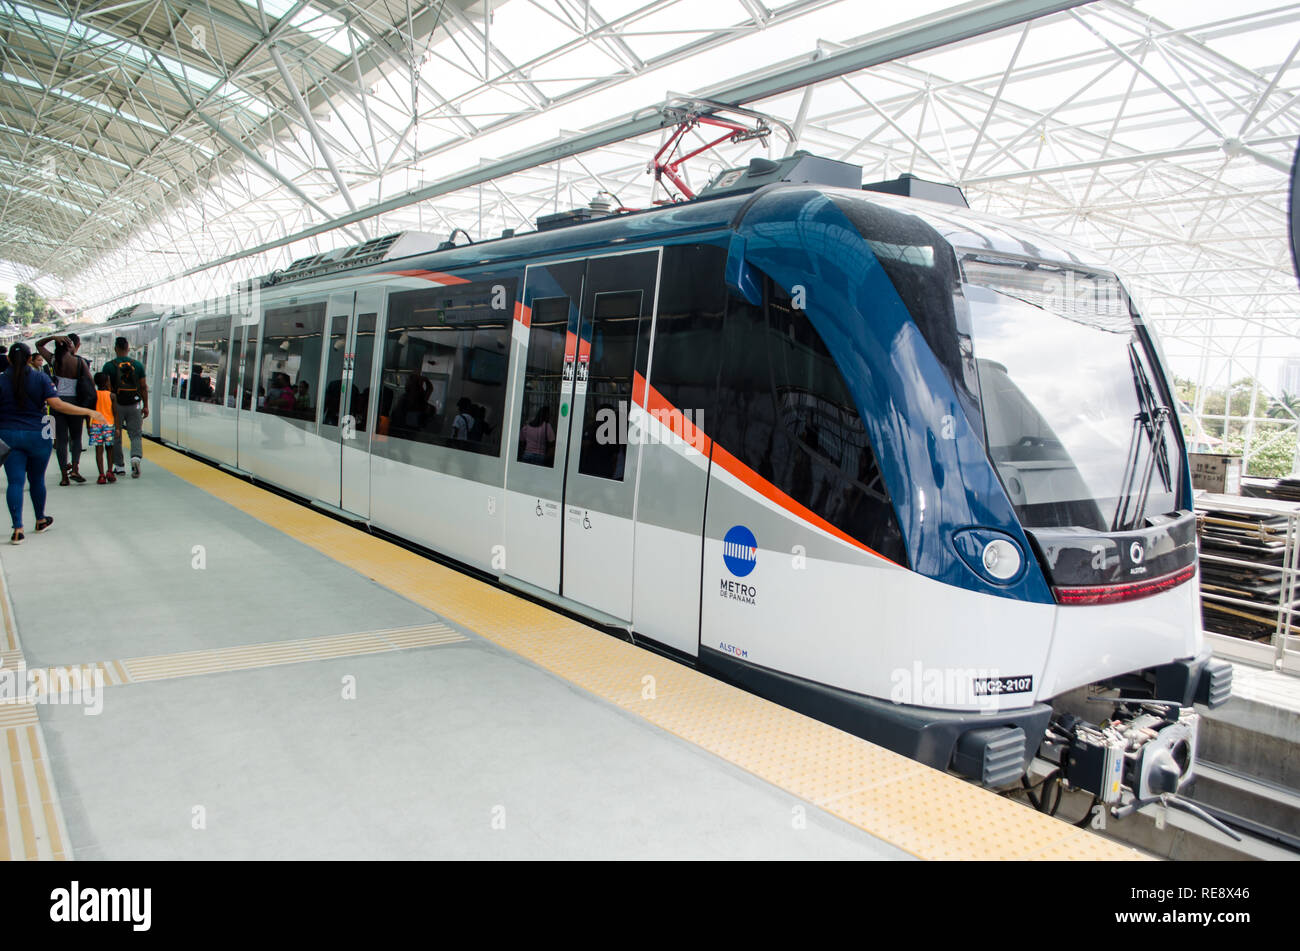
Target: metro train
(912,470)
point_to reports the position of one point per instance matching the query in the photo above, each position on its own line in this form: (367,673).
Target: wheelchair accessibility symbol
(586,521)
(538,510)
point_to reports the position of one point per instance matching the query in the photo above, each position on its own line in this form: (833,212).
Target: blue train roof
(963,228)
(667,223)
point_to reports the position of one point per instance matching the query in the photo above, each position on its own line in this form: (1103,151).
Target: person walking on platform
(127,380)
(75,386)
(101,434)
(25,431)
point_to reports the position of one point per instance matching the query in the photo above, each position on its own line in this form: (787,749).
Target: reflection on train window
(363,358)
(334,353)
(290,364)
(786,412)
(1071,449)
(99,348)
(207,372)
(237,367)
(95,349)
(688,329)
(249,376)
(180,363)
(445,361)
(615,323)
(356,402)
(543,381)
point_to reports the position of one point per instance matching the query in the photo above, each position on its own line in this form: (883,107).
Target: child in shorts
(101,434)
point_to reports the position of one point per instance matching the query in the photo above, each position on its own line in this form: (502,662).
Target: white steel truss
(142,138)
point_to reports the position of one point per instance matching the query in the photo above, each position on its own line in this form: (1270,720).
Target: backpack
(128,384)
(87,395)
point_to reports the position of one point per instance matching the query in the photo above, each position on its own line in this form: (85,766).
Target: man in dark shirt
(127,381)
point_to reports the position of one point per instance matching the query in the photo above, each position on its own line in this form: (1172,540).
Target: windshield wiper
(1151,419)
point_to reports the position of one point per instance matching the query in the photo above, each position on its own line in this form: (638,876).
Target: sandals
(76,476)
(64,480)
(42,525)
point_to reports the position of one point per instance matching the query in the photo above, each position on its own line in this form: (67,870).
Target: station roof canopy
(114,113)
(143,140)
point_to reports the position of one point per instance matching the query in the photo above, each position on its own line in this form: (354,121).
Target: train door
(338,315)
(618,305)
(589,487)
(345,416)
(543,403)
(358,396)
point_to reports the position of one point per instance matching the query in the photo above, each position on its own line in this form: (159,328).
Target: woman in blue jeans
(23,395)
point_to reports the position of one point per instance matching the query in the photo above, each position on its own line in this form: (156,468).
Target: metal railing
(1282,650)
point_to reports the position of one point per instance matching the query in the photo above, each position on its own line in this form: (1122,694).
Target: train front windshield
(1075,416)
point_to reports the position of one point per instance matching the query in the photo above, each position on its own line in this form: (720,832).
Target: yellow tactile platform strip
(247,656)
(923,811)
(31,822)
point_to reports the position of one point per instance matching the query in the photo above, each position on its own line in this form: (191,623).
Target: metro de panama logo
(740,550)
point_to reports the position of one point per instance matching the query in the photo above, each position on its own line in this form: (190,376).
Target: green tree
(1272,452)
(29,306)
(1286,407)
(6,309)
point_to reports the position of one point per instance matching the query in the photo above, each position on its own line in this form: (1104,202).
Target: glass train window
(94,351)
(137,339)
(137,345)
(334,353)
(615,325)
(181,359)
(208,361)
(785,411)
(363,359)
(543,381)
(688,329)
(923,270)
(291,358)
(446,355)
(248,381)
(173,343)
(234,367)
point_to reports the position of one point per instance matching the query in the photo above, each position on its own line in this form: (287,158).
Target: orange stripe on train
(651,399)
(523,313)
(437,277)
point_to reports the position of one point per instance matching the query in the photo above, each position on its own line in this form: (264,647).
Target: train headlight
(994,556)
(1001,559)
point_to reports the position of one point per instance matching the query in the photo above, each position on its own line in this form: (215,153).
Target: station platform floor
(279,684)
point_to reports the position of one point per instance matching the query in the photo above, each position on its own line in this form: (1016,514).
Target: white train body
(845,461)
